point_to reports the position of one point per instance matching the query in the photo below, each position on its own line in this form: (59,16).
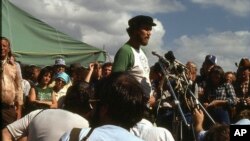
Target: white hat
(60,61)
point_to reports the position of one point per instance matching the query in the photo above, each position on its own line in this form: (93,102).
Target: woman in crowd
(219,96)
(59,89)
(42,96)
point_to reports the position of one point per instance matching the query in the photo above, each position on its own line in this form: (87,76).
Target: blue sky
(197,19)
(190,28)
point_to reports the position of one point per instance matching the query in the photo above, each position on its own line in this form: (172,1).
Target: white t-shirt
(146,131)
(48,125)
(105,133)
(141,70)
(60,96)
(26,87)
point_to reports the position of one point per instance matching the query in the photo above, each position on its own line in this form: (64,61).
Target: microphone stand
(180,69)
(197,104)
(196,101)
(176,101)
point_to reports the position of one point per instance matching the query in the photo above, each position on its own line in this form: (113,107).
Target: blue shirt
(105,133)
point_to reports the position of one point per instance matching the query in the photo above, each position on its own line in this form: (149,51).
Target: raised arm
(91,69)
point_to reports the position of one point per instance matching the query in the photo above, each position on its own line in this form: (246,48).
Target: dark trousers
(8,115)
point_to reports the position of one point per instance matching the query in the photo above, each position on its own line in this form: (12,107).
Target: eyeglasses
(92,103)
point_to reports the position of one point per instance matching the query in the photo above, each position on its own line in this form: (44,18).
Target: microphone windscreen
(170,56)
(154,53)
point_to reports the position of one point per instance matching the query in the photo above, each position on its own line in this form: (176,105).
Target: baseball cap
(60,61)
(211,59)
(64,76)
(140,20)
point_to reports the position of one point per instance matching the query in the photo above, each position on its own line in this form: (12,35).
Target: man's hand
(198,118)
(151,101)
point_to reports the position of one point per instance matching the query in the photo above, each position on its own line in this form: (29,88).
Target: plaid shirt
(244,87)
(222,92)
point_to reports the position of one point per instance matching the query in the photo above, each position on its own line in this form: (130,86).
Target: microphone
(161,58)
(170,56)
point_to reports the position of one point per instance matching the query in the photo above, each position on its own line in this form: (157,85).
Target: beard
(143,41)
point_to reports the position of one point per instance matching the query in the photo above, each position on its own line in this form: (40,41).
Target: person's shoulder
(155,133)
(160,132)
(35,112)
(69,117)
(121,133)
(25,82)
(83,132)
(243,121)
(125,48)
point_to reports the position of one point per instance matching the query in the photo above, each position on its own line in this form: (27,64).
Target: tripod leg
(193,132)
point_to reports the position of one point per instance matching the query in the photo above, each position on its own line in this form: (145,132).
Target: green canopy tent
(35,42)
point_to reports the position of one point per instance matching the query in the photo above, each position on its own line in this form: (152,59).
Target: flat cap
(140,20)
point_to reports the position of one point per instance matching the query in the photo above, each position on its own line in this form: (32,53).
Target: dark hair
(130,31)
(44,71)
(244,114)
(107,64)
(73,67)
(81,74)
(219,132)
(216,70)
(123,95)
(25,69)
(77,98)
(156,68)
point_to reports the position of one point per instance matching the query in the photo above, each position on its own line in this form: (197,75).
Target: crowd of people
(121,100)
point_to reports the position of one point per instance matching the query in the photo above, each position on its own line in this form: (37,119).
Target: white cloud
(236,7)
(103,23)
(229,47)
(145,6)
(100,23)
